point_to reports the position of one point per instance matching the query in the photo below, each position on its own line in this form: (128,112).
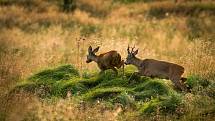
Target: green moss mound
(165,104)
(151,88)
(103,93)
(64,72)
(138,92)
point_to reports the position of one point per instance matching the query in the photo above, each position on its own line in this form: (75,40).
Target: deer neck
(137,62)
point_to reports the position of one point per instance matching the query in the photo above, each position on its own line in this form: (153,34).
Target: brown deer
(108,60)
(155,68)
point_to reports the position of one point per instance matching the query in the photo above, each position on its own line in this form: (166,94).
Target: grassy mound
(53,82)
(61,73)
(141,93)
(166,104)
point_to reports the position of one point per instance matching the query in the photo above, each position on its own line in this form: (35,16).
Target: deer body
(155,68)
(108,60)
(160,69)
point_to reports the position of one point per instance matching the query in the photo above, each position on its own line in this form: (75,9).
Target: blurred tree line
(69,5)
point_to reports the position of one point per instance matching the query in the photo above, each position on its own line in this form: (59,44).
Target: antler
(132,49)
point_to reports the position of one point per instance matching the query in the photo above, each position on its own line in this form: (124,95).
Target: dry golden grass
(23,106)
(67,110)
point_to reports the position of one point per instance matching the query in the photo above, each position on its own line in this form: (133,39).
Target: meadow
(44,74)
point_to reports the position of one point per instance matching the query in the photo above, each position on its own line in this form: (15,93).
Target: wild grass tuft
(164,104)
(61,73)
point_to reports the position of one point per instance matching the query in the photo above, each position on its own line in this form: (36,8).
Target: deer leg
(137,73)
(183,80)
(178,84)
(114,69)
(121,64)
(123,70)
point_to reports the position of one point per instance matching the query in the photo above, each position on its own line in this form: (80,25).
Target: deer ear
(90,49)
(135,53)
(128,49)
(96,50)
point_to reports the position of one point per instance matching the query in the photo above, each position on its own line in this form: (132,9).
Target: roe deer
(108,60)
(155,68)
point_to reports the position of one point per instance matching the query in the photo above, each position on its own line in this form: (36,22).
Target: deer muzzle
(88,61)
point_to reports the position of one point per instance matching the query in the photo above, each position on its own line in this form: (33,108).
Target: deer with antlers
(155,68)
(108,60)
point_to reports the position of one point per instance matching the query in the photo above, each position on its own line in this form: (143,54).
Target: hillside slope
(142,94)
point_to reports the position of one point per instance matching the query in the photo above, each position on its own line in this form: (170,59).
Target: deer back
(109,59)
(163,69)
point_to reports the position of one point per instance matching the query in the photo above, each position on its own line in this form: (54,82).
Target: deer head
(91,54)
(131,55)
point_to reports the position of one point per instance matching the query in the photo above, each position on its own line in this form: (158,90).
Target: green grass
(151,88)
(104,93)
(143,94)
(166,104)
(65,72)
